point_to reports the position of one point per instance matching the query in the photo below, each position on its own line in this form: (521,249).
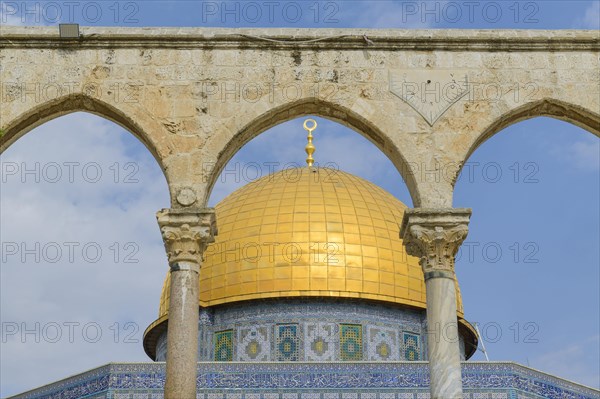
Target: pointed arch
(324,109)
(552,108)
(71,103)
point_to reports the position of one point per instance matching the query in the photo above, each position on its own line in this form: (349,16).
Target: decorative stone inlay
(429,92)
(186,196)
(434,235)
(186,233)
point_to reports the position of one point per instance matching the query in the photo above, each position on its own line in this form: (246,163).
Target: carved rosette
(434,236)
(186,233)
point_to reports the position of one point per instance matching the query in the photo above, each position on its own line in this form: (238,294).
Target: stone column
(186,233)
(434,235)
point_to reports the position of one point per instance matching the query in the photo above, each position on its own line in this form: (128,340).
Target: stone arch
(324,109)
(71,103)
(577,115)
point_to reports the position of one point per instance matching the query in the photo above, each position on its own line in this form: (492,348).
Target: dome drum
(310,330)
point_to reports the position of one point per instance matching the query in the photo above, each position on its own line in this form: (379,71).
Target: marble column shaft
(186,233)
(435,235)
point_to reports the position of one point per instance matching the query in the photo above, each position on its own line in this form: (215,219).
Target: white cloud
(98,215)
(577,362)
(584,153)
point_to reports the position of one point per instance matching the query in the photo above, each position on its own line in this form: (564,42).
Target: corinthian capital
(186,233)
(434,236)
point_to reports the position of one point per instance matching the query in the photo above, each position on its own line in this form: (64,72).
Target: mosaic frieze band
(298,380)
(310,330)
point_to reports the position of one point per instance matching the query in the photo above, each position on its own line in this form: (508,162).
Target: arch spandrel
(499,118)
(555,86)
(135,121)
(383,130)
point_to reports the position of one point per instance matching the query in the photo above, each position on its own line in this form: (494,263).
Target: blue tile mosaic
(351,343)
(285,380)
(410,343)
(288,343)
(224,346)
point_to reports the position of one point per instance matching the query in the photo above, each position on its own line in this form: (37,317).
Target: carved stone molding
(435,235)
(186,234)
(422,90)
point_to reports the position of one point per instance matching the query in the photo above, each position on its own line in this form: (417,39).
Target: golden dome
(309,232)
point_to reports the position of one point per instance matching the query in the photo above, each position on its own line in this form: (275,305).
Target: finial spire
(310,148)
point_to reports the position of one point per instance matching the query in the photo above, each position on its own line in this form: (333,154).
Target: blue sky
(510,14)
(529,272)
